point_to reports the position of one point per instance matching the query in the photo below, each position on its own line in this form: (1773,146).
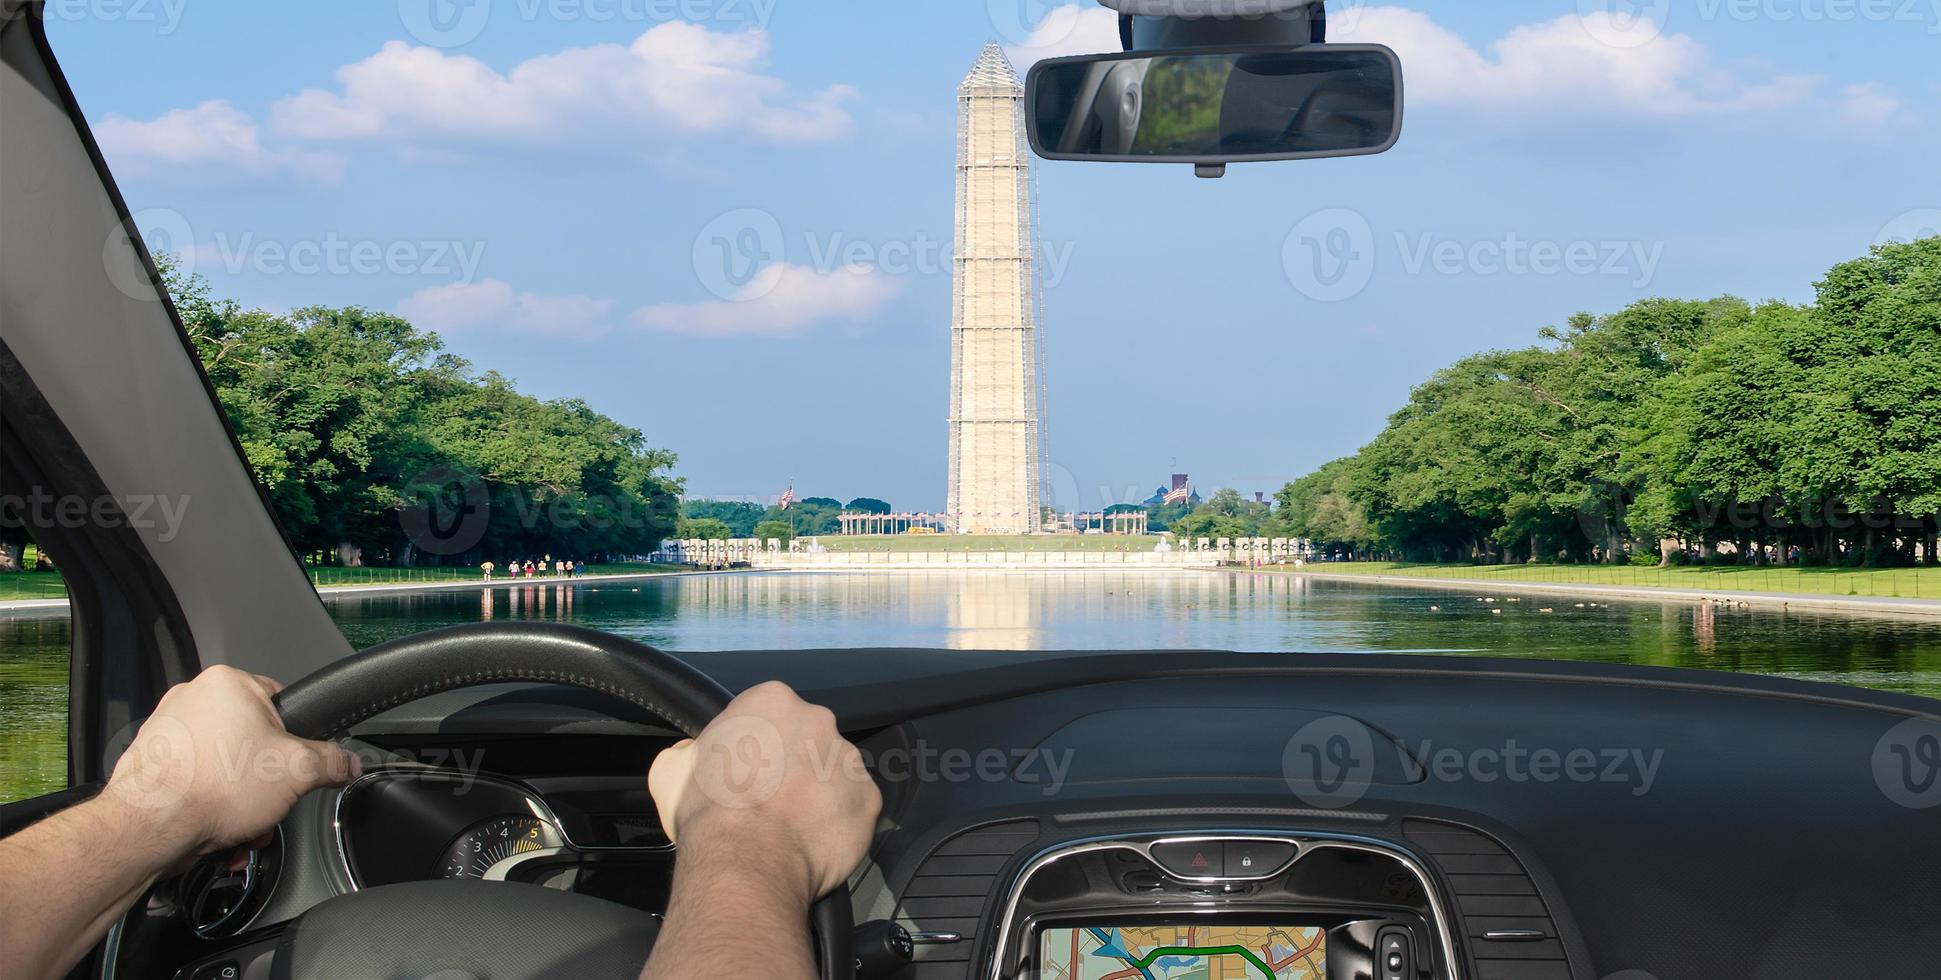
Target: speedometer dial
(478,849)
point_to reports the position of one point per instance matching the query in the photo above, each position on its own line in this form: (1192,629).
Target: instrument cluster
(414,823)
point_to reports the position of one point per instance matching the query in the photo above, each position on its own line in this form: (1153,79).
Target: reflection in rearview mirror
(1213,106)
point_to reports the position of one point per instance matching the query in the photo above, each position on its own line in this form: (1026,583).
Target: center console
(1264,906)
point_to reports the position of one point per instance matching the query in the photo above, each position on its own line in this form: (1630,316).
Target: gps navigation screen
(1202,951)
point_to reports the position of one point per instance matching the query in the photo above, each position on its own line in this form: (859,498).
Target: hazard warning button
(1191,859)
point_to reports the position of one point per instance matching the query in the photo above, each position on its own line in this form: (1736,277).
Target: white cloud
(492,305)
(781,299)
(1872,106)
(1067,30)
(214,141)
(1560,67)
(1554,68)
(676,77)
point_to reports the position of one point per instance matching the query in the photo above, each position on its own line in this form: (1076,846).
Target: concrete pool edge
(338,593)
(1872,605)
(1858,605)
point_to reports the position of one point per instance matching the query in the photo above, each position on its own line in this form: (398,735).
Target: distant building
(1181,481)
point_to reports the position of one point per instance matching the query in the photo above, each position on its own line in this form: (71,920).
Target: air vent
(221,894)
(1505,922)
(949,891)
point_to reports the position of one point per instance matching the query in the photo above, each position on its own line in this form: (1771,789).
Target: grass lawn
(1901,583)
(31,585)
(990,542)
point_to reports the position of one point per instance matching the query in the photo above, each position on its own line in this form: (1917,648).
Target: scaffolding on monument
(996,400)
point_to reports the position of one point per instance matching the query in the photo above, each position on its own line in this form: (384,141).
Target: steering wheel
(455,928)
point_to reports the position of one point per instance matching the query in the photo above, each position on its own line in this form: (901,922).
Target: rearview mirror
(1216,106)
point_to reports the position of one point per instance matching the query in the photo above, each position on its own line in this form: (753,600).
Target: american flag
(788,497)
(1177,495)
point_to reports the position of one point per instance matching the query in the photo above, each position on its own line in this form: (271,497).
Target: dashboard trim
(1304,842)
(1299,849)
(936,938)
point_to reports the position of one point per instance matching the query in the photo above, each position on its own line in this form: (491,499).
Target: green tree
(809,517)
(774,531)
(869,505)
(353,419)
(1796,417)
(1533,453)
(705,528)
(740,515)
(1318,507)
(1162,516)
(1701,422)
(1224,515)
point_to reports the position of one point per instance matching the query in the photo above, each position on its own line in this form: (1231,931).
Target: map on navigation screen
(1206,951)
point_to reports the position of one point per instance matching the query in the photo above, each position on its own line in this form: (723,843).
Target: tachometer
(475,851)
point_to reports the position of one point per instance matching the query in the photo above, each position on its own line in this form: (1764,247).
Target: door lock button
(1256,858)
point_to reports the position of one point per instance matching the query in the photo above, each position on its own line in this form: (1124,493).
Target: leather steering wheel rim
(328,703)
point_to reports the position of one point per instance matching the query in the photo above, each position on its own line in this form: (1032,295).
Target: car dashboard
(1054,817)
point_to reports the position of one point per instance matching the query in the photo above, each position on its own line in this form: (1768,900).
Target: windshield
(739,324)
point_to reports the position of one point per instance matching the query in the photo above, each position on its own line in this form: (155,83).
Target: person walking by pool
(529,568)
(566,567)
(487,567)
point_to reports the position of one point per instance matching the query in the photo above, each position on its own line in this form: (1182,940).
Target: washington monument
(997,383)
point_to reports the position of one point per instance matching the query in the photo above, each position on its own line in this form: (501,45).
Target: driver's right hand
(770,786)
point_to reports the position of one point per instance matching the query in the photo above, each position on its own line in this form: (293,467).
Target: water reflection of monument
(990,612)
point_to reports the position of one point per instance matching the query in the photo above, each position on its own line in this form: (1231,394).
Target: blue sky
(554,186)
